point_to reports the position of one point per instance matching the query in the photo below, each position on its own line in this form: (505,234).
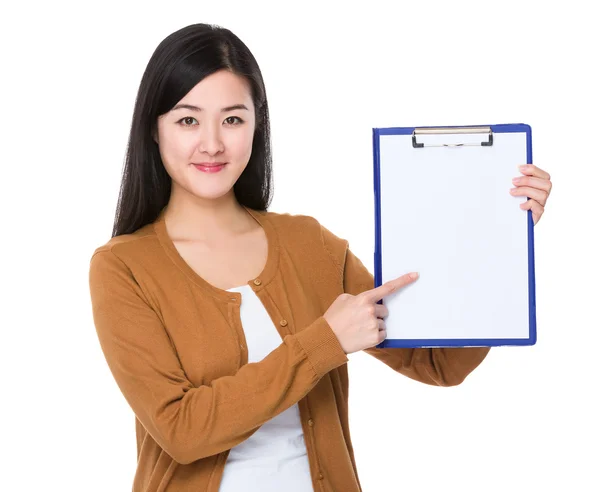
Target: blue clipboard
(491,300)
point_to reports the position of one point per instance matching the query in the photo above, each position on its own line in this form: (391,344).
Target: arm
(190,422)
(447,366)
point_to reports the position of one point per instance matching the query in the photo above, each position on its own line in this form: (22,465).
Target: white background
(526,419)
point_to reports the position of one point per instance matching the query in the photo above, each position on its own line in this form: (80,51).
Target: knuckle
(363,301)
(371,310)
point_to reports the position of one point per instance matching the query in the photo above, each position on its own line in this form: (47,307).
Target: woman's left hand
(536,185)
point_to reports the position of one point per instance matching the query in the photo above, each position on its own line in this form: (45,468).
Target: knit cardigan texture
(176,348)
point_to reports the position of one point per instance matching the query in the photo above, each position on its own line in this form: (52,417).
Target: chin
(211,194)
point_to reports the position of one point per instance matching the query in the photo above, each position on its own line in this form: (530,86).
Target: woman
(231,395)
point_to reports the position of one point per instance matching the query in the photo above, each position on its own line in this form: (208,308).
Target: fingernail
(414,275)
(524,167)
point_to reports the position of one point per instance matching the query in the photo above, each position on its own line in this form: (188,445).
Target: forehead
(219,89)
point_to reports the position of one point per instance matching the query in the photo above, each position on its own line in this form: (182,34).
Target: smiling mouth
(208,164)
(209,167)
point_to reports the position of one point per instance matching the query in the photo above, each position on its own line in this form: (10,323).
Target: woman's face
(213,123)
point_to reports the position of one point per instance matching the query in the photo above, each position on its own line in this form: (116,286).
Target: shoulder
(307,232)
(120,249)
(300,226)
(295,224)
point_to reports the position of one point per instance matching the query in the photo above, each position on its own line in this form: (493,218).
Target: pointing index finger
(389,287)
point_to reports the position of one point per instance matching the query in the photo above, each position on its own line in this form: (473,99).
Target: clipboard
(443,209)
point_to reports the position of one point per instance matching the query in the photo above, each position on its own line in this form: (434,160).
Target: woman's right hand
(357,321)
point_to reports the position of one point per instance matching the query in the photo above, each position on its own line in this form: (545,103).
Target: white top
(274,458)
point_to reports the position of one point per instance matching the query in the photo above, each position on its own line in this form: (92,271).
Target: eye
(235,118)
(186,119)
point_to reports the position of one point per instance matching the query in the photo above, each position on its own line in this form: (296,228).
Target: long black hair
(180,61)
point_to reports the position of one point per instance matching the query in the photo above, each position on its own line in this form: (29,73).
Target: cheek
(176,147)
(240,147)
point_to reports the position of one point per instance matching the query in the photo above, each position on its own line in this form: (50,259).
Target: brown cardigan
(176,348)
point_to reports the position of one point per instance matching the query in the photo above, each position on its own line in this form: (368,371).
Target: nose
(210,141)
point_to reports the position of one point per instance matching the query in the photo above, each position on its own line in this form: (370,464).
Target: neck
(193,219)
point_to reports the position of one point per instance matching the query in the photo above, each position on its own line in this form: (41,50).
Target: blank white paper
(446,212)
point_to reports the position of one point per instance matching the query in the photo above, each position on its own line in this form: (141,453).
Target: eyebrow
(196,108)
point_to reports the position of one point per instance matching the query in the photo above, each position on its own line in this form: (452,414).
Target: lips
(209,167)
(208,164)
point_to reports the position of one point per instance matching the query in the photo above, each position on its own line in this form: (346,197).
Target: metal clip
(453,131)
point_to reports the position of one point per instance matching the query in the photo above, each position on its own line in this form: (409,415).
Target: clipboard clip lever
(485,130)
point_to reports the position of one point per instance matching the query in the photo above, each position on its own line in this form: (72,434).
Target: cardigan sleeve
(443,366)
(190,422)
